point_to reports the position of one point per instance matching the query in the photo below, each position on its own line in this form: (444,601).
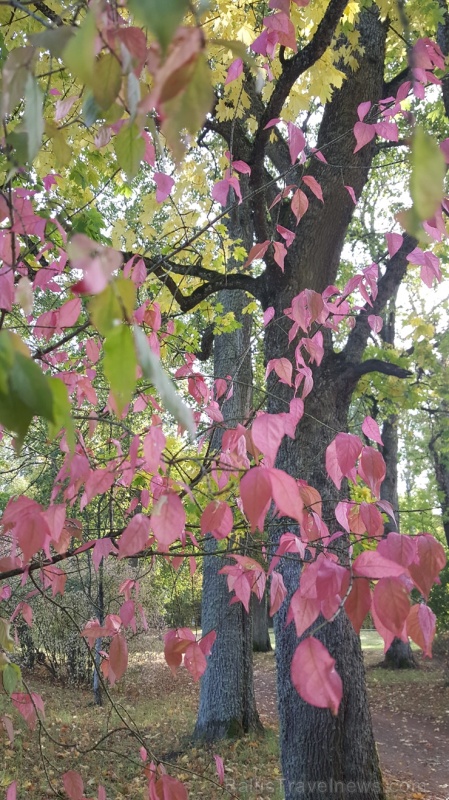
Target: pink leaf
(299,204)
(164,185)
(268,315)
(168,519)
(275,121)
(287,235)
(314,186)
(11,792)
(421,624)
(375,323)
(371,429)
(234,71)
(258,251)
(283,369)
(268,432)
(371,564)
(286,495)
(363,133)
(102,548)
(372,520)
(134,537)
(278,592)
(220,191)
(314,677)
(304,611)
(241,166)
(255,493)
(431,560)
(341,457)
(217,519)
(351,194)
(394,243)
(195,660)
(296,141)
(118,657)
(73,785)
(206,642)
(398,547)
(279,254)
(220,769)
(363,109)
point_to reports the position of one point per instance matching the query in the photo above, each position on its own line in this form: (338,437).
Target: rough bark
(261,635)
(323,756)
(227,702)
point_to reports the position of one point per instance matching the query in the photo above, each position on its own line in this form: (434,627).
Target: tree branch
(384,367)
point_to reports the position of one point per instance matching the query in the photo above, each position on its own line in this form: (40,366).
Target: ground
(410,711)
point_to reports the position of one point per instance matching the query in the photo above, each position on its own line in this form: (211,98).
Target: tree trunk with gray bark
(261,635)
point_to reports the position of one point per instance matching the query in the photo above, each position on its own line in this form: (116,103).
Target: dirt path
(414,750)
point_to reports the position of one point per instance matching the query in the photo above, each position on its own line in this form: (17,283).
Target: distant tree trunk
(399,655)
(441,466)
(261,636)
(227,702)
(98,699)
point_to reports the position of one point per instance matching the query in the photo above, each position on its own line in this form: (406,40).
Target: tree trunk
(323,756)
(441,466)
(261,636)
(227,702)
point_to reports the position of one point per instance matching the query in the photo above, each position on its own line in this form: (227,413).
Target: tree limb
(384,367)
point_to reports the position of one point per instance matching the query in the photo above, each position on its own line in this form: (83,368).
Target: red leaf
(431,560)
(134,537)
(73,785)
(372,520)
(207,642)
(69,313)
(314,677)
(421,623)
(358,603)
(372,469)
(258,251)
(392,604)
(175,645)
(217,519)
(118,657)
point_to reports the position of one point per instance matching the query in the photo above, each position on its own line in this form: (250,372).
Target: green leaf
(130,149)
(120,364)
(61,412)
(427,177)
(11,676)
(54,39)
(152,369)
(29,383)
(162,17)
(105,310)
(106,80)
(6,640)
(6,360)
(33,116)
(126,292)
(91,110)
(79,53)
(188,109)
(14,76)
